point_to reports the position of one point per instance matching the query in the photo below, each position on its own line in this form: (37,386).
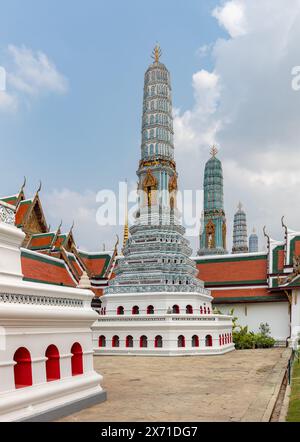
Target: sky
(71,111)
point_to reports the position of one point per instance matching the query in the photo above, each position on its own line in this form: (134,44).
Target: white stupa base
(167,325)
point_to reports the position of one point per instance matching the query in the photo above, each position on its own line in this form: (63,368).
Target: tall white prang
(155,304)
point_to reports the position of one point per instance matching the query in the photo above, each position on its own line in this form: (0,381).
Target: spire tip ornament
(156,53)
(214,151)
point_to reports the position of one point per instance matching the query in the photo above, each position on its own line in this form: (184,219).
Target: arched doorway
(195,341)
(181,341)
(143,341)
(150,310)
(189,309)
(22,368)
(52,363)
(158,343)
(135,310)
(115,341)
(129,341)
(76,359)
(102,341)
(208,341)
(120,310)
(175,309)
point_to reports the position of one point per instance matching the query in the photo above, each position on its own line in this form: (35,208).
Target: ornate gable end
(70,243)
(35,220)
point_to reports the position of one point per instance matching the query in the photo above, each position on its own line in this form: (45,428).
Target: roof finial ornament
(284,225)
(240,205)
(60,225)
(156,53)
(72,226)
(267,236)
(117,243)
(23,185)
(40,187)
(214,151)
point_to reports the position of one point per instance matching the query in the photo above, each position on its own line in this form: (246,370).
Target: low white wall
(276,314)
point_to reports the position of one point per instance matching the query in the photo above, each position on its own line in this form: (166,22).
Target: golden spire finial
(156,53)
(214,151)
(126,229)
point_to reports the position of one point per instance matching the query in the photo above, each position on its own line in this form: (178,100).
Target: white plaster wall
(276,314)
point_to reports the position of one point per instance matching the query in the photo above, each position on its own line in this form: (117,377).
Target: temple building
(51,255)
(155,304)
(240,236)
(253,242)
(213,234)
(46,352)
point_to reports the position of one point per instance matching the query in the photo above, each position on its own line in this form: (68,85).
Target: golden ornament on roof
(156,53)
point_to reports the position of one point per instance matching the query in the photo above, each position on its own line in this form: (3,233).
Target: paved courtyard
(237,386)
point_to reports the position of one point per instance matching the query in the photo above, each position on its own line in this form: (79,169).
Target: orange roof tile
(41,241)
(22,209)
(246,295)
(40,268)
(233,271)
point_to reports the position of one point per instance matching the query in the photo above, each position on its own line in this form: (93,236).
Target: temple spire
(213,234)
(240,237)
(253,242)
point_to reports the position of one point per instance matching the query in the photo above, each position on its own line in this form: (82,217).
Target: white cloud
(247,105)
(195,127)
(231,16)
(34,73)
(8,103)
(29,74)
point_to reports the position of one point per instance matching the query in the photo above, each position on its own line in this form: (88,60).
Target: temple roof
(97,264)
(38,267)
(10,199)
(41,241)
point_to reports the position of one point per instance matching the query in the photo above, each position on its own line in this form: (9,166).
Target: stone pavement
(237,386)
